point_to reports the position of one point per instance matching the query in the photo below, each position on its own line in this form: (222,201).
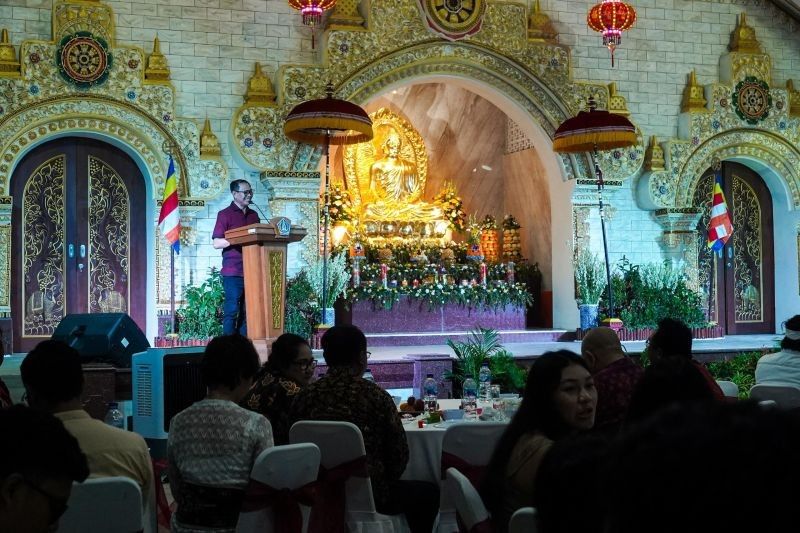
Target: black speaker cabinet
(102,337)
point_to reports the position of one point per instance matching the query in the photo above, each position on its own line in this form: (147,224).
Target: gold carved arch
(764,147)
(58,117)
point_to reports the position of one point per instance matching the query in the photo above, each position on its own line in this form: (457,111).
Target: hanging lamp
(611,18)
(312,11)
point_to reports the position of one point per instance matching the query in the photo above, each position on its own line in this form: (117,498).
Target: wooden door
(79,237)
(738,284)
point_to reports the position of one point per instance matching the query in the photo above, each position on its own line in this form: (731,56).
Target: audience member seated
(782,368)
(666,382)
(560,399)
(673,338)
(615,376)
(706,468)
(53,380)
(345,396)
(289,368)
(39,460)
(576,461)
(213,444)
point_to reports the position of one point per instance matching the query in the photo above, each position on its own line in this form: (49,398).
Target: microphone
(259,210)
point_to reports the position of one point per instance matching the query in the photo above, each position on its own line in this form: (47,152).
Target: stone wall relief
(741,116)
(83,82)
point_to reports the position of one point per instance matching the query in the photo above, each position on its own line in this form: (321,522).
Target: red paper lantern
(611,18)
(312,10)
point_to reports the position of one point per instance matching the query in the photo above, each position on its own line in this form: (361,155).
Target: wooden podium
(264,248)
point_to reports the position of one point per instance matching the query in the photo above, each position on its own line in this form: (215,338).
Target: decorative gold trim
(794,99)
(345,16)
(540,28)
(616,102)
(209,144)
(5,267)
(743,38)
(654,156)
(157,70)
(9,65)
(259,89)
(694,100)
(276,279)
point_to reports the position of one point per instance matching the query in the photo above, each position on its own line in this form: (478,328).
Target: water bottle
(368,376)
(430,393)
(114,416)
(485,379)
(469,400)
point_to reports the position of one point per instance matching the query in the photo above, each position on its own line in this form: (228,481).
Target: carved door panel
(78,237)
(738,284)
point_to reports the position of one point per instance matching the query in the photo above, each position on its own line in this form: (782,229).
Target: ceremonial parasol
(327,121)
(593,131)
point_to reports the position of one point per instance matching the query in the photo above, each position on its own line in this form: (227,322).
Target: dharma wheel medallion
(454,19)
(752,100)
(84,60)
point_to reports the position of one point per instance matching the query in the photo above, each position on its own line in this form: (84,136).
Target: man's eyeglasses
(306,364)
(248,192)
(58,506)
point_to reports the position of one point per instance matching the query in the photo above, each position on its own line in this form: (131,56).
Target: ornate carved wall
(82,83)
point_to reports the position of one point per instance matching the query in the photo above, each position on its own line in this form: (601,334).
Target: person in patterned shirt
(213,443)
(344,395)
(615,376)
(289,368)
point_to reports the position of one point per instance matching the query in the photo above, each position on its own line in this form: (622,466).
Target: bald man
(615,376)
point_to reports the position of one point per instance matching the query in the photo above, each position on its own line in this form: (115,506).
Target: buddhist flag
(169,219)
(720,227)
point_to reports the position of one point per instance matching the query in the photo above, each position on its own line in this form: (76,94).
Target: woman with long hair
(559,400)
(288,369)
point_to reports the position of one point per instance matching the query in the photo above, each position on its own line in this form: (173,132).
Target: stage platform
(403,366)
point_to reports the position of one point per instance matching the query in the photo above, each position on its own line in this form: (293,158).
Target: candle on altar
(510,272)
(384,271)
(356,276)
(483,273)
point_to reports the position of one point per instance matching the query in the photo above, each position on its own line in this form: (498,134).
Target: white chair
(281,467)
(729,388)
(339,443)
(104,505)
(785,397)
(469,506)
(474,444)
(523,521)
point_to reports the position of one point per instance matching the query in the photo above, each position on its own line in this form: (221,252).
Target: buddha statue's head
(391,144)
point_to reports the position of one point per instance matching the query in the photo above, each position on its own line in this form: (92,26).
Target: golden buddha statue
(388,174)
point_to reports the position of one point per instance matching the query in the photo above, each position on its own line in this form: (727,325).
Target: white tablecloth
(425,447)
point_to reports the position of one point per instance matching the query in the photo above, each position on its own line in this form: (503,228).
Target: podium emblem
(282,226)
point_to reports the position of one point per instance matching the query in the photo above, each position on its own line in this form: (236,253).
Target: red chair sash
(328,515)
(474,473)
(163,512)
(285,503)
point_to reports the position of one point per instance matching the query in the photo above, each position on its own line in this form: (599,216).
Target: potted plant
(302,310)
(338,278)
(590,281)
(200,317)
(484,345)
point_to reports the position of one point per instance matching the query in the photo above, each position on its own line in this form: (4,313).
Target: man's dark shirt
(340,395)
(272,395)
(615,384)
(231,218)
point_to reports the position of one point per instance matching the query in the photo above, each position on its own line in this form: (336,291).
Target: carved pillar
(679,241)
(296,195)
(5,256)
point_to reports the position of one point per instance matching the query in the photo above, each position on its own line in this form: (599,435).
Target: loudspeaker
(102,337)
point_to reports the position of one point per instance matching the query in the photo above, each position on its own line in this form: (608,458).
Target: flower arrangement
(340,208)
(590,278)
(338,278)
(452,205)
(492,296)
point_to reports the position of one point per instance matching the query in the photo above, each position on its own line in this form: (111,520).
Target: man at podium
(236,215)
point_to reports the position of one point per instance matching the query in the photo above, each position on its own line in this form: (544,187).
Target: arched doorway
(738,284)
(78,236)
